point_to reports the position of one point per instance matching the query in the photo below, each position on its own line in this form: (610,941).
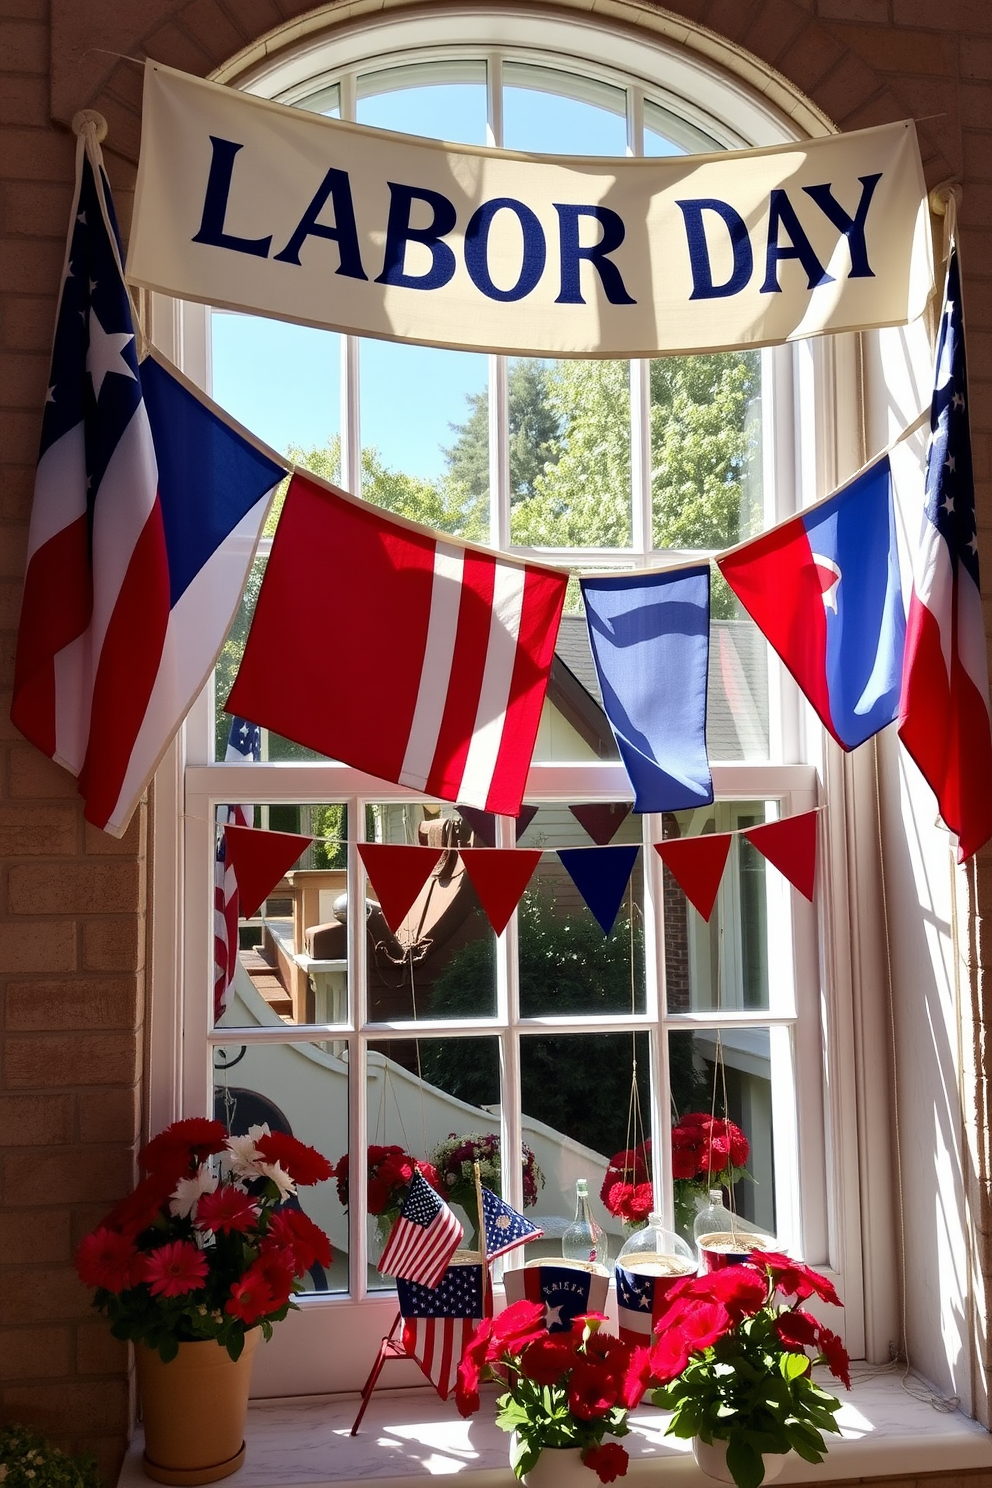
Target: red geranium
(707,1147)
(296,1231)
(626,1189)
(305,1165)
(608,1461)
(793,1279)
(388,1173)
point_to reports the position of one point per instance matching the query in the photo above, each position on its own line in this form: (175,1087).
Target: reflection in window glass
(576,1102)
(440,962)
(722,963)
(292,963)
(571,487)
(737,685)
(725,1073)
(561,113)
(665,133)
(301,1089)
(438,100)
(426,1098)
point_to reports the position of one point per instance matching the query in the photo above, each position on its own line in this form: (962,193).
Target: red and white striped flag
(439,1322)
(423,1238)
(244,742)
(440,655)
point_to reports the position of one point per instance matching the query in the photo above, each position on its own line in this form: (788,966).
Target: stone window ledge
(887,1432)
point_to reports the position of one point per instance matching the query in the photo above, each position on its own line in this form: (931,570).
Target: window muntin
(295,778)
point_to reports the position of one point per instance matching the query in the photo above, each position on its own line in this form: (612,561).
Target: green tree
(534,434)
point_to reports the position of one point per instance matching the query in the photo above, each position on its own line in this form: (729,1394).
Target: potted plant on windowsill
(561,1392)
(192,1266)
(736,1359)
(388,1173)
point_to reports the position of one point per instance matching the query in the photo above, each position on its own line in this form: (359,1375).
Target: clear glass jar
(724,1238)
(656,1251)
(584,1239)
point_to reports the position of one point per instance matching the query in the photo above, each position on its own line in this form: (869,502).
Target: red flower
(106,1259)
(796,1329)
(670,1354)
(704,1146)
(592,1390)
(226,1210)
(470,1368)
(702,1323)
(608,1461)
(173,1269)
(305,1165)
(836,1356)
(378,1196)
(140,1209)
(742,1290)
(546,1359)
(637,1377)
(519,1324)
(250,1298)
(293,1230)
(794,1279)
(274,1267)
(183,1145)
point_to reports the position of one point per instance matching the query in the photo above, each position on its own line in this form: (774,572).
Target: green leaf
(745,1464)
(793,1365)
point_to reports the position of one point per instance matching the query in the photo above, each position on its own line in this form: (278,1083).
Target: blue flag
(567,1292)
(650,639)
(601,875)
(503,1227)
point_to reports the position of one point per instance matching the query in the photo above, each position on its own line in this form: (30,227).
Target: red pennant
(602,822)
(499,877)
(259,860)
(397,873)
(697,864)
(791,846)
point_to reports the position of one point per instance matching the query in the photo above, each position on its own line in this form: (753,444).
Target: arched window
(552,1036)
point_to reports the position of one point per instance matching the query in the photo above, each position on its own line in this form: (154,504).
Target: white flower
(279,1177)
(242,1158)
(189,1191)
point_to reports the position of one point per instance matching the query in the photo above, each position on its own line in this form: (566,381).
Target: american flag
(944,716)
(244,742)
(503,1227)
(424,1237)
(641,1301)
(439,1321)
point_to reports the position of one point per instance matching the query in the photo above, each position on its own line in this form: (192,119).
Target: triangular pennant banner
(791,846)
(601,875)
(483,824)
(602,821)
(397,873)
(499,877)
(697,863)
(259,860)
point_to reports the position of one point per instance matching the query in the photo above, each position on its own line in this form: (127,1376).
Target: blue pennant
(601,875)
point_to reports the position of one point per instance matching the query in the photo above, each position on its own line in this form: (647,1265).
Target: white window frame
(815,1127)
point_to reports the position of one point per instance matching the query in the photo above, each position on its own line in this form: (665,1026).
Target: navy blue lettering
(344,232)
(572,252)
(703,287)
(853,228)
(399,233)
(215,204)
(781,213)
(535,250)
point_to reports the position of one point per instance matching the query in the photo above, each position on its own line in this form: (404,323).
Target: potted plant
(28,1460)
(707,1152)
(203,1256)
(561,1393)
(627,1192)
(454,1161)
(735,1356)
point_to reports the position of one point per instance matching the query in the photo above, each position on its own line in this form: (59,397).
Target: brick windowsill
(886,1433)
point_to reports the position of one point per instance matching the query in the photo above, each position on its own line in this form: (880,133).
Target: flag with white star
(503,1227)
(147,506)
(565,1292)
(641,1300)
(424,1237)
(944,714)
(439,1321)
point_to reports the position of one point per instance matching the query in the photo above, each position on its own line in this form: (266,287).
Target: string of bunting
(399,872)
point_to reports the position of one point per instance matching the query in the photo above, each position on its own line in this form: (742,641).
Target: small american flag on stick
(424,1237)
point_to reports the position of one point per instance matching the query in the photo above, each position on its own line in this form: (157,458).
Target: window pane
(725,1073)
(737,684)
(571,481)
(301,1089)
(281,381)
(561,113)
(724,963)
(573,724)
(665,133)
(292,963)
(440,963)
(567,964)
(325,101)
(439,100)
(425,434)
(579,1108)
(706,449)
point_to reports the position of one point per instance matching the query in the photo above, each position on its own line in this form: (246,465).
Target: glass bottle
(656,1251)
(722,1237)
(584,1239)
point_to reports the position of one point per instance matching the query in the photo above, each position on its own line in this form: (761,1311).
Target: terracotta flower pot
(194,1410)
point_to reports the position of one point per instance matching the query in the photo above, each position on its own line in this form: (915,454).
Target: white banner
(252,205)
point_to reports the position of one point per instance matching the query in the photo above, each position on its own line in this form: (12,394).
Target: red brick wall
(73,902)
